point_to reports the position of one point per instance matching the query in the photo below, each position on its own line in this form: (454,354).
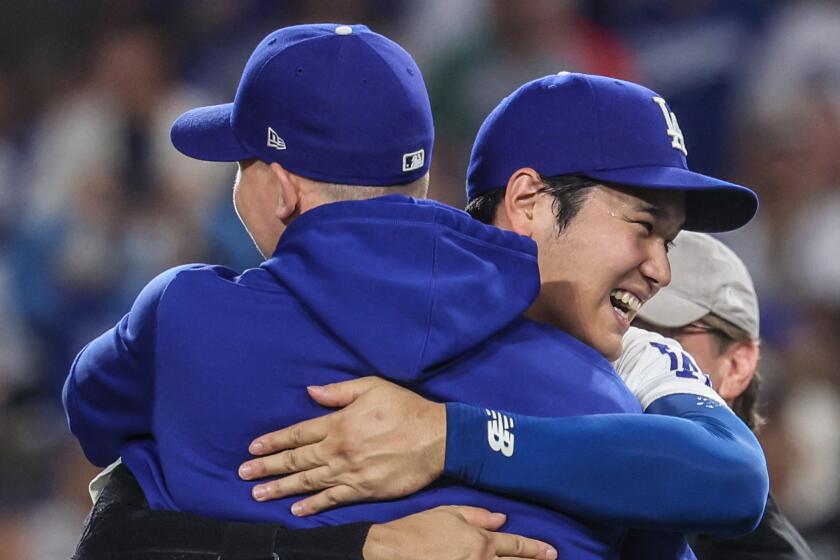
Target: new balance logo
(673,130)
(274,140)
(414,160)
(498,432)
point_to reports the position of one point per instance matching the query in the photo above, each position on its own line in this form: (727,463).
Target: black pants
(122,527)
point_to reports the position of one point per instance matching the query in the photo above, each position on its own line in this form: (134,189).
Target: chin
(610,348)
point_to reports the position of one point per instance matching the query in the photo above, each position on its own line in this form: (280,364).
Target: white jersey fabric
(653,367)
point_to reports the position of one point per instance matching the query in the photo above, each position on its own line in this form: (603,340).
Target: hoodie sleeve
(108,393)
(688,464)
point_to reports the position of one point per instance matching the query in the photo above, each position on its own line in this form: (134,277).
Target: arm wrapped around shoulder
(697,470)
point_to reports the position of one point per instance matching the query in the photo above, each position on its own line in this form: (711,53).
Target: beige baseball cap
(706,277)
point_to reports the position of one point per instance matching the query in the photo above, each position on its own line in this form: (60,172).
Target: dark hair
(569,192)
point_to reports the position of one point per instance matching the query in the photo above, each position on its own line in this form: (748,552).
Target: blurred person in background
(692,52)
(711,309)
(123,107)
(513,43)
(106,189)
(788,122)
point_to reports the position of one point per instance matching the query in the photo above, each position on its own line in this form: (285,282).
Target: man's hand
(451,532)
(387,443)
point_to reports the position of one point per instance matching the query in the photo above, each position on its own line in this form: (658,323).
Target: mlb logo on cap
(414,160)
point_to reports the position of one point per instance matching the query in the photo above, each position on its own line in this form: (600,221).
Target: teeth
(632,302)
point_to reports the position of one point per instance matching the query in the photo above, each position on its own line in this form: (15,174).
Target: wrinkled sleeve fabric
(108,394)
(689,465)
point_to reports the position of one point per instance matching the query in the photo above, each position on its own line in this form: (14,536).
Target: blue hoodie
(416,291)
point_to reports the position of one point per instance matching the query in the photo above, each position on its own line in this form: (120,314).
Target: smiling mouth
(625,304)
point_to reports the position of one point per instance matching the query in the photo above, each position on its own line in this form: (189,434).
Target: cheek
(704,356)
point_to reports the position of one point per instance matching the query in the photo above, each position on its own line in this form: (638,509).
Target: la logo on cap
(677,139)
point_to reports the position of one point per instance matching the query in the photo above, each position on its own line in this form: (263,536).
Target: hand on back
(386,442)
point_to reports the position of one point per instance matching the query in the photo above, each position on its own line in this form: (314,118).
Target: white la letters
(673,130)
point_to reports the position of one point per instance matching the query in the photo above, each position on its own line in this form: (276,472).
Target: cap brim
(206,133)
(711,205)
(669,309)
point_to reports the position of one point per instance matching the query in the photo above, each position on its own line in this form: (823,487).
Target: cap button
(343,30)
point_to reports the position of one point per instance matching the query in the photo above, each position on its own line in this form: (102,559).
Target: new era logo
(274,140)
(499,434)
(414,160)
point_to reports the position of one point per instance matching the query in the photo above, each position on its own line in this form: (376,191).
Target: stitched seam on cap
(597,122)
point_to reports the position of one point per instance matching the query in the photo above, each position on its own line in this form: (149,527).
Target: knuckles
(291,461)
(296,435)
(306,481)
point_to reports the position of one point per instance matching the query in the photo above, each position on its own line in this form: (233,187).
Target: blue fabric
(206,360)
(709,471)
(340,108)
(604,128)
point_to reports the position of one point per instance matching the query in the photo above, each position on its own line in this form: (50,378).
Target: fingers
(328,499)
(296,435)
(516,546)
(478,517)
(286,462)
(344,393)
(299,483)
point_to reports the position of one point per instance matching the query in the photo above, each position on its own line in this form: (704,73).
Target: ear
(741,362)
(519,205)
(288,192)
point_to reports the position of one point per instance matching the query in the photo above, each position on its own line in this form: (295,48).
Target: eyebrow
(658,213)
(653,211)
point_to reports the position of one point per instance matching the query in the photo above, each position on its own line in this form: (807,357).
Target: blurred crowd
(94,201)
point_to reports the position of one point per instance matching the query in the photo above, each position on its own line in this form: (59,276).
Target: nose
(656,269)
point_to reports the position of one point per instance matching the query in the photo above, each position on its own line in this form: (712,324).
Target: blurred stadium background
(94,201)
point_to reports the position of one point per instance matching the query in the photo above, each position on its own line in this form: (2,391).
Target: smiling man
(626,229)
(591,170)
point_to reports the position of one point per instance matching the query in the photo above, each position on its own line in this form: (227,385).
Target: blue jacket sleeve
(688,465)
(108,393)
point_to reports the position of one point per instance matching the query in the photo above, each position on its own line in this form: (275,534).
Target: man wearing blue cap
(207,358)
(182,384)
(577,210)
(324,113)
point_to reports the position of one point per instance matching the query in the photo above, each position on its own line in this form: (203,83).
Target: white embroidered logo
(413,160)
(274,140)
(677,140)
(498,432)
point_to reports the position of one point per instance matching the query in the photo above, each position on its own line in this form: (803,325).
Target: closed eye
(647,225)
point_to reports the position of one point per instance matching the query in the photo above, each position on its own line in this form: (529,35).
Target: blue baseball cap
(333,103)
(606,129)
